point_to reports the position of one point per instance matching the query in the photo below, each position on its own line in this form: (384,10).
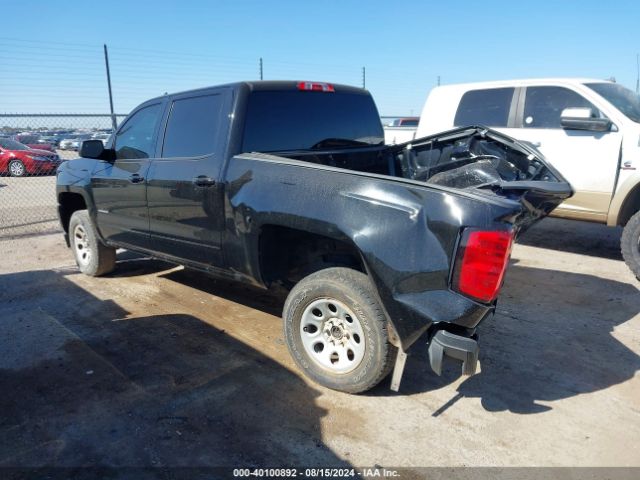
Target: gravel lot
(27,205)
(158,366)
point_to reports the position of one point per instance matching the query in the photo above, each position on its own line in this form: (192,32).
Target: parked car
(74,142)
(103,137)
(401,130)
(588,129)
(53,140)
(19,160)
(33,141)
(66,143)
(377,246)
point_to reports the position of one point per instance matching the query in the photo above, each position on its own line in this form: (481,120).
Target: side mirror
(92,149)
(583,119)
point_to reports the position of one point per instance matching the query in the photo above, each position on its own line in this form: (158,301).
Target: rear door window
(543,106)
(192,126)
(489,107)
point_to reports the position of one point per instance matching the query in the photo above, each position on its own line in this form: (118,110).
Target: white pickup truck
(588,129)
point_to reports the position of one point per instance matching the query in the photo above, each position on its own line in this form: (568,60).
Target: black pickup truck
(289,185)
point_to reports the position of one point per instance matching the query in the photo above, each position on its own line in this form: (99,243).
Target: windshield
(620,97)
(12,144)
(303,120)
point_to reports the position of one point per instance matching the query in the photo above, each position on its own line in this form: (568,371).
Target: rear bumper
(457,347)
(416,314)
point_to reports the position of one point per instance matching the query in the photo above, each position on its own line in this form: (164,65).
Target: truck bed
(471,158)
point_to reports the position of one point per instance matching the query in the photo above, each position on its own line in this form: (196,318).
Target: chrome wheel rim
(81,245)
(16,169)
(332,336)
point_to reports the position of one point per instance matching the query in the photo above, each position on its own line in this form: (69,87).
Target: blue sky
(51,52)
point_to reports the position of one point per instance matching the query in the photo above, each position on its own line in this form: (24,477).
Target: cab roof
(523,82)
(267,85)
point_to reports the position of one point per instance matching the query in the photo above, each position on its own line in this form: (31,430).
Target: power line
(141,73)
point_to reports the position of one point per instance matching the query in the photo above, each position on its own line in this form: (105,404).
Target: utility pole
(637,74)
(260,68)
(364,77)
(114,124)
(438,80)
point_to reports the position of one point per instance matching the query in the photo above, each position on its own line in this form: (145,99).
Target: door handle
(204,181)
(136,178)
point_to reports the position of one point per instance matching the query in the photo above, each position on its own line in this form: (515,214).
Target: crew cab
(588,129)
(289,186)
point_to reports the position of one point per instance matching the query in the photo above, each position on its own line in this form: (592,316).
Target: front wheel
(92,256)
(336,330)
(630,244)
(17,168)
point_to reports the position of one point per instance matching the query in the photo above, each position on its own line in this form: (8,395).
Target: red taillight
(315,87)
(481,262)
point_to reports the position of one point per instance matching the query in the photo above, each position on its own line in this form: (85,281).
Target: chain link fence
(31,148)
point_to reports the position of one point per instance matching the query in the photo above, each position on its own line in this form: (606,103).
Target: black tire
(92,256)
(630,244)
(16,168)
(353,290)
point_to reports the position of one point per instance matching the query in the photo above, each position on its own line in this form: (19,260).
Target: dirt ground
(158,366)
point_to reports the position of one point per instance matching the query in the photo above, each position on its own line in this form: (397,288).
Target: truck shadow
(86,385)
(551,339)
(132,264)
(572,236)
(252,297)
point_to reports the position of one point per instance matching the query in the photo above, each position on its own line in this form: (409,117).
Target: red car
(32,141)
(19,160)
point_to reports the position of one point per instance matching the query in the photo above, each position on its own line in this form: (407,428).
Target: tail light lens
(481,262)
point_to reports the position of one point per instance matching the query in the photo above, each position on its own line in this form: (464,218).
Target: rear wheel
(92,256)
(630,244)
(17,168)
(336,330)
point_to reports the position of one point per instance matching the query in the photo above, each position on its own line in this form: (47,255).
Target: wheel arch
(629,206)
(69,202)
(287,254)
